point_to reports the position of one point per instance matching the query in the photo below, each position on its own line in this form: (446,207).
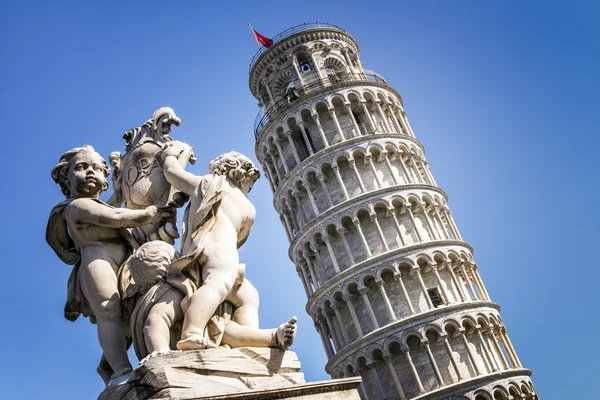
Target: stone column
(342,232)
(327,240)
(459,287)
(504,365)
(412,219)
(336,170)
(272,175)
(308,281)
(437,213)
(403,123)
(394,120)
(368,114)
(289,230)
(467,281)
(352,163)
(373,369)
(336,122)
(354,123)
(293,146)
(324,338)
(414,370)
(392,211)
(417,272)
(395,378)
(491,360)
(369,159)
(438,278)
(285,166)
(362,236)
(475,270)
(379,231)
(509,345)
(320,128)
(470,352)
(302,277)
(453,227)
(305,138)
(383,117)
(386,300)
(477,283)
(321,178)
(332,331)
(452,358)
(409,176)
(269,176)
(425,167)
(436,370)
(306,186)
(311,269)
(349,299)
(277,173)
(398,278)
(301,212)
(365,297)
(389,165)
(415,169)
(338,316)
(428,221)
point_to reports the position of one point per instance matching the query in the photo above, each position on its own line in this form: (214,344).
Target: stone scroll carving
(127,275)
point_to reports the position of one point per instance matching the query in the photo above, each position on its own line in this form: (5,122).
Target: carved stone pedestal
(244,373)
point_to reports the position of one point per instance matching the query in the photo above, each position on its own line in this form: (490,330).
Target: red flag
(265,41)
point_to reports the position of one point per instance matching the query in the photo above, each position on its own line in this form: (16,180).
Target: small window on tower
(436,297)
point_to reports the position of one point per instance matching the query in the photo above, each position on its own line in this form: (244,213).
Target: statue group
(127,276)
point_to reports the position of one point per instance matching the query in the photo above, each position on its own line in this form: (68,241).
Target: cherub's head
(237,167)
(150,262)
(81,172)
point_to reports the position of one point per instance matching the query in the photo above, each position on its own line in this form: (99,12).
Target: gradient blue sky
(502,94)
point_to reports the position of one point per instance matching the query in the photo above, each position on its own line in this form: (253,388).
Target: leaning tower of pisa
(392,288)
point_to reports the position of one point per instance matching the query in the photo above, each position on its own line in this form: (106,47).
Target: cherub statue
(92,236)
(218,221)
(156,319)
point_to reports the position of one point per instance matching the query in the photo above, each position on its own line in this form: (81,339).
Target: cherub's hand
(158,215)
(171,149)
(115,161)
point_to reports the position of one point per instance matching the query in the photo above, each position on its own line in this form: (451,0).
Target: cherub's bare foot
(195,343)
(286,333)
(154,354)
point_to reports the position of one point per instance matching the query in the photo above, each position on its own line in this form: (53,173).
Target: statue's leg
(237,335)
(161,318)
(245,299)
(99,285)
(219,271)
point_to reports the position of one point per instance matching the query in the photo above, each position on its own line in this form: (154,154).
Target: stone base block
(244,373)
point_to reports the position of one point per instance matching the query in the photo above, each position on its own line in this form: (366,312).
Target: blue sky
(502,94)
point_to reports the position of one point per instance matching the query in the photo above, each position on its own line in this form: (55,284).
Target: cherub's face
(86,175)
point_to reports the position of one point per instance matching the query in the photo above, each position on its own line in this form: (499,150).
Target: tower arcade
(392,288)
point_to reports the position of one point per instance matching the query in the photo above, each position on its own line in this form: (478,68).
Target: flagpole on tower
(255,39)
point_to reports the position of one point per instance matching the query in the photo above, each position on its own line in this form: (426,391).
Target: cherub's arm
(88,211)
(116,199)
(175,174)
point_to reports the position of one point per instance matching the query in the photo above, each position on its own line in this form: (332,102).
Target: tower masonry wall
(392,287)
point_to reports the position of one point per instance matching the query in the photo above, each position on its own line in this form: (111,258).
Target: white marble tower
(392,288)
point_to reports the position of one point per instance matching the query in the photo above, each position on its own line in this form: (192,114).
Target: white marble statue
(89,234)
(218,221)
(127,276)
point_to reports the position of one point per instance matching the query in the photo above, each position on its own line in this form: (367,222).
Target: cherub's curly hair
(150,262)
(61,170)
(234,165)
